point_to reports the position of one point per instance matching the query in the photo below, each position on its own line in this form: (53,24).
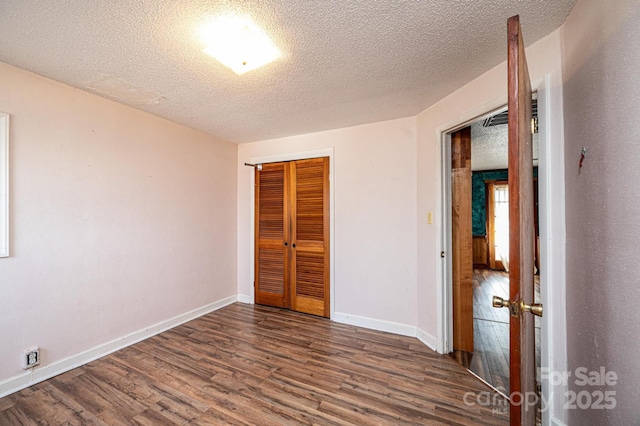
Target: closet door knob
(293,245)
(286,243)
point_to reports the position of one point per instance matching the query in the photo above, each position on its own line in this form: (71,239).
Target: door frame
(293,156)
(444,289)
(462,286)
(552,231)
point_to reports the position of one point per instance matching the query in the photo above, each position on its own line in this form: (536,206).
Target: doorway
(488,356)
(497,237)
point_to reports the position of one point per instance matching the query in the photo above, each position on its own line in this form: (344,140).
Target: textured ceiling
(346,62)
(489,147)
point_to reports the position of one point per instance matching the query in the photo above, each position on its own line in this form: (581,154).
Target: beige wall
(601,64)
(120,220)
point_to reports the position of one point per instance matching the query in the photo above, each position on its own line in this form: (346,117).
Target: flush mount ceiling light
(238,43)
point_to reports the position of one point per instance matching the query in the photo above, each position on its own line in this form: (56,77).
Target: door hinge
(441,254)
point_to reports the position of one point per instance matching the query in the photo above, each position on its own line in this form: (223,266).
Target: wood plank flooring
(246,364)
(490,360)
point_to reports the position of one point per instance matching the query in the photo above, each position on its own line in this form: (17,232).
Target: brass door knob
(534,308)
(499,302)
(516,308)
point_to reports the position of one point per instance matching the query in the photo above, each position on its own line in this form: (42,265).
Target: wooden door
(272,229)
(310,232)
(292,236)
(462,240)
(521,230)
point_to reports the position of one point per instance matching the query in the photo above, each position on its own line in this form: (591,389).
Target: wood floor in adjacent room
(246,364)
(490,359)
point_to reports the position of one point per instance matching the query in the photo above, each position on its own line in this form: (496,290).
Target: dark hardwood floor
(490,360)
(247,364)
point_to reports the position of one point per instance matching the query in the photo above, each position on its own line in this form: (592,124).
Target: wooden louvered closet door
(292,235)
(272,233)
(309,279)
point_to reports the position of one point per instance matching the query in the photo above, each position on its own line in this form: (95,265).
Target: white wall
(601,63)
(374,241)
(120,221)
(482,95)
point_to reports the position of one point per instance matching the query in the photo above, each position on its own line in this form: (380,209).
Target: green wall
(479,196)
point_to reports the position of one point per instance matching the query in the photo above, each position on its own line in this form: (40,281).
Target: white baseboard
(243,298)
(375,324)
(45,372)
(429,340)
(387,326)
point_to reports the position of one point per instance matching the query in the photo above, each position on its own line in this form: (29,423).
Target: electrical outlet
(31,358)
